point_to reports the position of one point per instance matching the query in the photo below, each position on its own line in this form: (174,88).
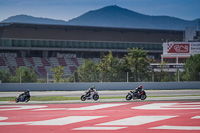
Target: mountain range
(113,16)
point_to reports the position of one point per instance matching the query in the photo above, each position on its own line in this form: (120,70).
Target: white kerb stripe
(3,118)
(165,106)
(65,120)
(177,127)
(196,117)
(19,107)
(100,106)
(137,120)
(58,121)
(98,128)
(47,109)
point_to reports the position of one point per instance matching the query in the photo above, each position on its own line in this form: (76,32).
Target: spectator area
(42,66)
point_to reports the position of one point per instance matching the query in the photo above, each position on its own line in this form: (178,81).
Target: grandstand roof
(86,33)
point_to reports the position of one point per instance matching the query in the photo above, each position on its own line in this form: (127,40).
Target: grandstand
(42,47)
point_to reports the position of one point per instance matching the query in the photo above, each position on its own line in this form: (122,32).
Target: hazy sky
(68,9)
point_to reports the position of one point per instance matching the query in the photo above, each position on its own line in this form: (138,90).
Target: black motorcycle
(22,98)
(87,96)
(135,95)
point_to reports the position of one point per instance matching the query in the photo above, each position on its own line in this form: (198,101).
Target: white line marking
(13,123)
(192,103)
(19,107)
(98,128)
(137,120)
(177,127)
(165,106)
(66,120)
(58,121)
(95,107)
(3,118)
(196,117)
(50,109)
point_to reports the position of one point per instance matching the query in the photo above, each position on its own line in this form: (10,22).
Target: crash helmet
(27,90)
(140,86)
(93,87)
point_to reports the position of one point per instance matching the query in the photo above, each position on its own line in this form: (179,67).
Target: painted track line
(177,127)
(101,106)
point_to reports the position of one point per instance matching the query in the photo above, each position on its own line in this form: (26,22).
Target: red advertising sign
(178,48)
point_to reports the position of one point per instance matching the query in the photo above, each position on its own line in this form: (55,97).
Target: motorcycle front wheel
(128,97)
(17,100)
(83,98)
(95,97)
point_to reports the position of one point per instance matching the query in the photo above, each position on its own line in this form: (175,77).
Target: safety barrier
(99,86)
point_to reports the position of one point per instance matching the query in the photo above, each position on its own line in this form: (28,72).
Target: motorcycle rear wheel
(27,99)
(128,97)
(143,97)
(83,98)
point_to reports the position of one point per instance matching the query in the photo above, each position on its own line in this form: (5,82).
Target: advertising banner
(195,48)
(181,48)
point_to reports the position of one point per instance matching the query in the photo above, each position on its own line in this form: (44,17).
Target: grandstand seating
(42,71)
(11,61)
(2,62)
(45,62)
(62,62)
(54,61)
(41,66)
(72,68)
(80,61)
(75,61)
(11,70)
(30,60)
(20,61)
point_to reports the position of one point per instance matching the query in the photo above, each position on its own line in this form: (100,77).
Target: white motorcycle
(87,96)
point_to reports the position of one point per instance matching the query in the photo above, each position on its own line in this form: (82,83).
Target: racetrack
(179,113)
(104,93)
(118,117)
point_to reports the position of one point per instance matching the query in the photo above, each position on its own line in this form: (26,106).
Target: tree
(109,67)
(26,74)
(137,62)
(58,74)
(87,72)
(5,76)
(192,68)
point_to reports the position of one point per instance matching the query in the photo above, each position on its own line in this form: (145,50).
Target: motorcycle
(22,98)
(134,95)
(87,96)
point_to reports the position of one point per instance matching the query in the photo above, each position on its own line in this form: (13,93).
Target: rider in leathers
(25,94)
(92,91)
(138,90)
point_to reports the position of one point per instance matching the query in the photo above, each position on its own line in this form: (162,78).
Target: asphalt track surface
(104,93)
(110,117)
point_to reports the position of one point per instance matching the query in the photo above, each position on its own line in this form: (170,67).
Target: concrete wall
(99,86)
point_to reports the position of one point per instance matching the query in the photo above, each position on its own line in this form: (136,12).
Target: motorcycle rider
(138,90)
(25,94)
(92,91)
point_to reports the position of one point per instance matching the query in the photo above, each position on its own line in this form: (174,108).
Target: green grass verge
(62,98)
(52,98)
